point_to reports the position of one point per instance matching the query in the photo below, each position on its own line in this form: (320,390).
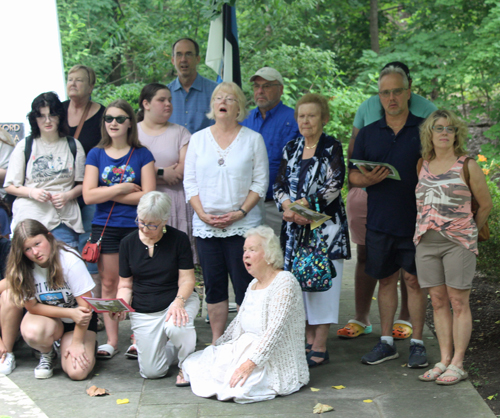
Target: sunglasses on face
(119,119)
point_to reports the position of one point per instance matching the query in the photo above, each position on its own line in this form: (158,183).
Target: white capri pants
(152,334)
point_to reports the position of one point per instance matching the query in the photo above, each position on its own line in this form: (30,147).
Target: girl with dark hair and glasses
(46,170)
(118,173)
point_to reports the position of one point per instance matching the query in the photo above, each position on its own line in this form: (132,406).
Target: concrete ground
(388,390)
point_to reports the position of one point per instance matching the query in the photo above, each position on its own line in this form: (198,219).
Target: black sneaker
(380,353)
(44,370)
(418,356)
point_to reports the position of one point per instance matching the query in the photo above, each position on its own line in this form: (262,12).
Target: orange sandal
(401,330)
(354,329)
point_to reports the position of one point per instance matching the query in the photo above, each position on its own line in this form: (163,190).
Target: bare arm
(148,184)
(223,221)
(124,292)
(3,172)
(364,178)
(479,189)
(93,194)
(198,208)
(186,287)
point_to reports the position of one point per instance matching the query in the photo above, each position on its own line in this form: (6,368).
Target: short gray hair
(234,89)
(270,243)
(392,69)
(154,206)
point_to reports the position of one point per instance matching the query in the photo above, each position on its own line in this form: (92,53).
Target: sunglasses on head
(119,119)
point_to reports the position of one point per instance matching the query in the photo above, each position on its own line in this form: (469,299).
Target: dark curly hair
(50,100)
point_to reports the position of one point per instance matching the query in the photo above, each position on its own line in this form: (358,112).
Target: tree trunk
(374,26)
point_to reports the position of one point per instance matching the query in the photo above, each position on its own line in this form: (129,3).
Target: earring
(164,229)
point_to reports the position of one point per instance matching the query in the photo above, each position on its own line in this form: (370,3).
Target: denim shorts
(65,234)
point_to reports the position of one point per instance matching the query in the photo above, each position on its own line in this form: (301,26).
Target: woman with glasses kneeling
(157,278)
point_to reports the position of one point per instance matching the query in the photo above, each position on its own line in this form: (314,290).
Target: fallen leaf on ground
(491,397)
(338,387)
(95,391)
(374,298)
(315,389)
(122,401)
(367,401)
(404,365)
(320,408)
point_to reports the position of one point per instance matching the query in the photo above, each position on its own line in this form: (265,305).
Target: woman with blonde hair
(446,236)
(119,171)
(225,178)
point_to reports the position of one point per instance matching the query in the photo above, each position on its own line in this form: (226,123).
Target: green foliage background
(451,46)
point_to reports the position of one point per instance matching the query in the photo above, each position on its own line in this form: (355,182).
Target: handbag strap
(82,119)
(114,203)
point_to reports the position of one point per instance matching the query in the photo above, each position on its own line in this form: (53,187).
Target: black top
(4,254)
(91,131)
(392,207)
(155,279)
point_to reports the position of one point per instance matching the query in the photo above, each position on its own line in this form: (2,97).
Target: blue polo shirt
(391,203)
(190,108)
(278,128)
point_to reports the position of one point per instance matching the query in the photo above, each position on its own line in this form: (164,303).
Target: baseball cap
(269,74)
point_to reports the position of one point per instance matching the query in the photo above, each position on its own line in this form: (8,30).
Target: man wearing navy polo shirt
(391,217)
(191,93)
(276,123)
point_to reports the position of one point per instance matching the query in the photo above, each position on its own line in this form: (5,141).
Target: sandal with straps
(431,374)
(311,363)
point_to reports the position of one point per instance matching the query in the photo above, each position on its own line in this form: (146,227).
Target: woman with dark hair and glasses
(446,236)
(46,170)
(168,142)
(157,279)
(118,173)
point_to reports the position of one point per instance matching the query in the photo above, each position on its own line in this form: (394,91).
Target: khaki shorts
(357,208)
(441,261)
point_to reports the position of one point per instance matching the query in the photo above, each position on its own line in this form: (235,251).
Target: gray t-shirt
(50,167)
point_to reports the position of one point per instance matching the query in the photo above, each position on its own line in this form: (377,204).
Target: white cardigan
(283,330)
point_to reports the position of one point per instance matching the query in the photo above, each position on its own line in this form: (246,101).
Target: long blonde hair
(19,271)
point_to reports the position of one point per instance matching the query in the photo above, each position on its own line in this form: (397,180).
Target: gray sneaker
(8,365)
(44,370)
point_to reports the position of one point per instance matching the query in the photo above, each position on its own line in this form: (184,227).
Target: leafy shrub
(488,262)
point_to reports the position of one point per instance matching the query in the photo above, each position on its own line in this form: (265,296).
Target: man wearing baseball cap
(276,123)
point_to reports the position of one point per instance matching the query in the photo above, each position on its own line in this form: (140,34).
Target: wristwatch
(243,211)
(160,172)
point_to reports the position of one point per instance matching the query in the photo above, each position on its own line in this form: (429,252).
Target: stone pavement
(393,389)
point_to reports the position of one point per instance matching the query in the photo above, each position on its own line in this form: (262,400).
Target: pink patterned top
(444,204)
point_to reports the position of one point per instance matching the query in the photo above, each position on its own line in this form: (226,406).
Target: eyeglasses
(119,119)
(150,227)
(50,117)
(227,99)
(265,87)
(448,129)
(396,92)
(187,55)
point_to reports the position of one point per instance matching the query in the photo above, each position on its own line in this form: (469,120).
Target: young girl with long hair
(118,173)
(50,280)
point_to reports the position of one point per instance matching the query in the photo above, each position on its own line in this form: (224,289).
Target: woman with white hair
(261,354)
(157,279)
(226,174)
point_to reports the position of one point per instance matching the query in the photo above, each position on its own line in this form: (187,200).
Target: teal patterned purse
(311,265)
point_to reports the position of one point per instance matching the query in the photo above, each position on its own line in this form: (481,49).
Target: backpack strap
(72,146)
(466,171)
(28,146)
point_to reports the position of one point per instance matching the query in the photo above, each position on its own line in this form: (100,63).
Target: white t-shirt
(77,282)
(50,167)
(223,178)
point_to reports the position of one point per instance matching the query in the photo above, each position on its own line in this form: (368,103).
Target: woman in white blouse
(226,176)
(261,354)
